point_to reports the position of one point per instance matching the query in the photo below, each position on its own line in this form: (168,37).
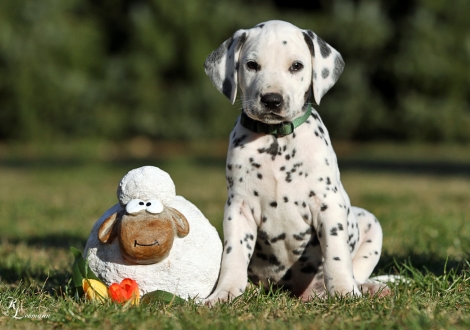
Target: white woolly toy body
(192,267)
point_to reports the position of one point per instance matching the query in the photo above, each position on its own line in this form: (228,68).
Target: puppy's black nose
(272,101)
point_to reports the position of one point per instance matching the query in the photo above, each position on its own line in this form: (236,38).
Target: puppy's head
(277,66)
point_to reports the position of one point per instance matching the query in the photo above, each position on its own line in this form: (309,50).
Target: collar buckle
(285,128)
(279,130)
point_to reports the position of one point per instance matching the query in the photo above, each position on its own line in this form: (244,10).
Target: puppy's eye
(296,66)
(252,65)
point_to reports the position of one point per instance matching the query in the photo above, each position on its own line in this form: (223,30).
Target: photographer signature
(13,310)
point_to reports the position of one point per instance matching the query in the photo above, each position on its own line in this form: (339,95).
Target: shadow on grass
(59,241)
(206,162)
(423,263)
(50,163)
(54,281)
(50,281)
(46,163)
(47,277)
(439,168)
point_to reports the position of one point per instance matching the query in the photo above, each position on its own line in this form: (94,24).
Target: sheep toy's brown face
(144,237)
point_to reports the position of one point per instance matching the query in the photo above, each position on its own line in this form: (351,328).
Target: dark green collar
(280,129)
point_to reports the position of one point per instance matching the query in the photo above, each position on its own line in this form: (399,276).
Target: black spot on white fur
(272,259)
(238,142)
(240,42)
(325,50)
(230,43)
(300,240)
(279,238)
(287,276)
(227,87)
(338,69)
(309,42)
(273,149)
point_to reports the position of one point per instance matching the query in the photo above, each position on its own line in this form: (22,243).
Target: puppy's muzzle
(272,101)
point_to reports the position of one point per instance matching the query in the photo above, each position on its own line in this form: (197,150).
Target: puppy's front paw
(345,290)
(221,296)
(380,289)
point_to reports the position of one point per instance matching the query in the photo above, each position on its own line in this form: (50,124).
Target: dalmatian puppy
(288,220)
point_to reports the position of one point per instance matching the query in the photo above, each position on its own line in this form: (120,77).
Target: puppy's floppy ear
(182,225)
(222,65)
(327,64)
(108,229)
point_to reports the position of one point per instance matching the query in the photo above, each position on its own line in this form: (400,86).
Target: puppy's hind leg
(368,253)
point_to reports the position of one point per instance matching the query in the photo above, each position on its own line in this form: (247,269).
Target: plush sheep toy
(160,240)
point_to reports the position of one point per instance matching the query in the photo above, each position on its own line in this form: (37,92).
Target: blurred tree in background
(120,68)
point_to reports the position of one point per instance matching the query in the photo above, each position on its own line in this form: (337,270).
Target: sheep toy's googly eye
(135,206)
(154,206)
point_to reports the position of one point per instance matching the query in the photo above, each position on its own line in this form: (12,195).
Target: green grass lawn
(51,196)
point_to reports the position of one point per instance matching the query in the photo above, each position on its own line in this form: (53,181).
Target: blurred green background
(116,69)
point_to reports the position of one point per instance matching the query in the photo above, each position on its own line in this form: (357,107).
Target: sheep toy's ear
(182,225)
(107,232)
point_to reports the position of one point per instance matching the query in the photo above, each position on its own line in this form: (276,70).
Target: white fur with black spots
(288,219)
